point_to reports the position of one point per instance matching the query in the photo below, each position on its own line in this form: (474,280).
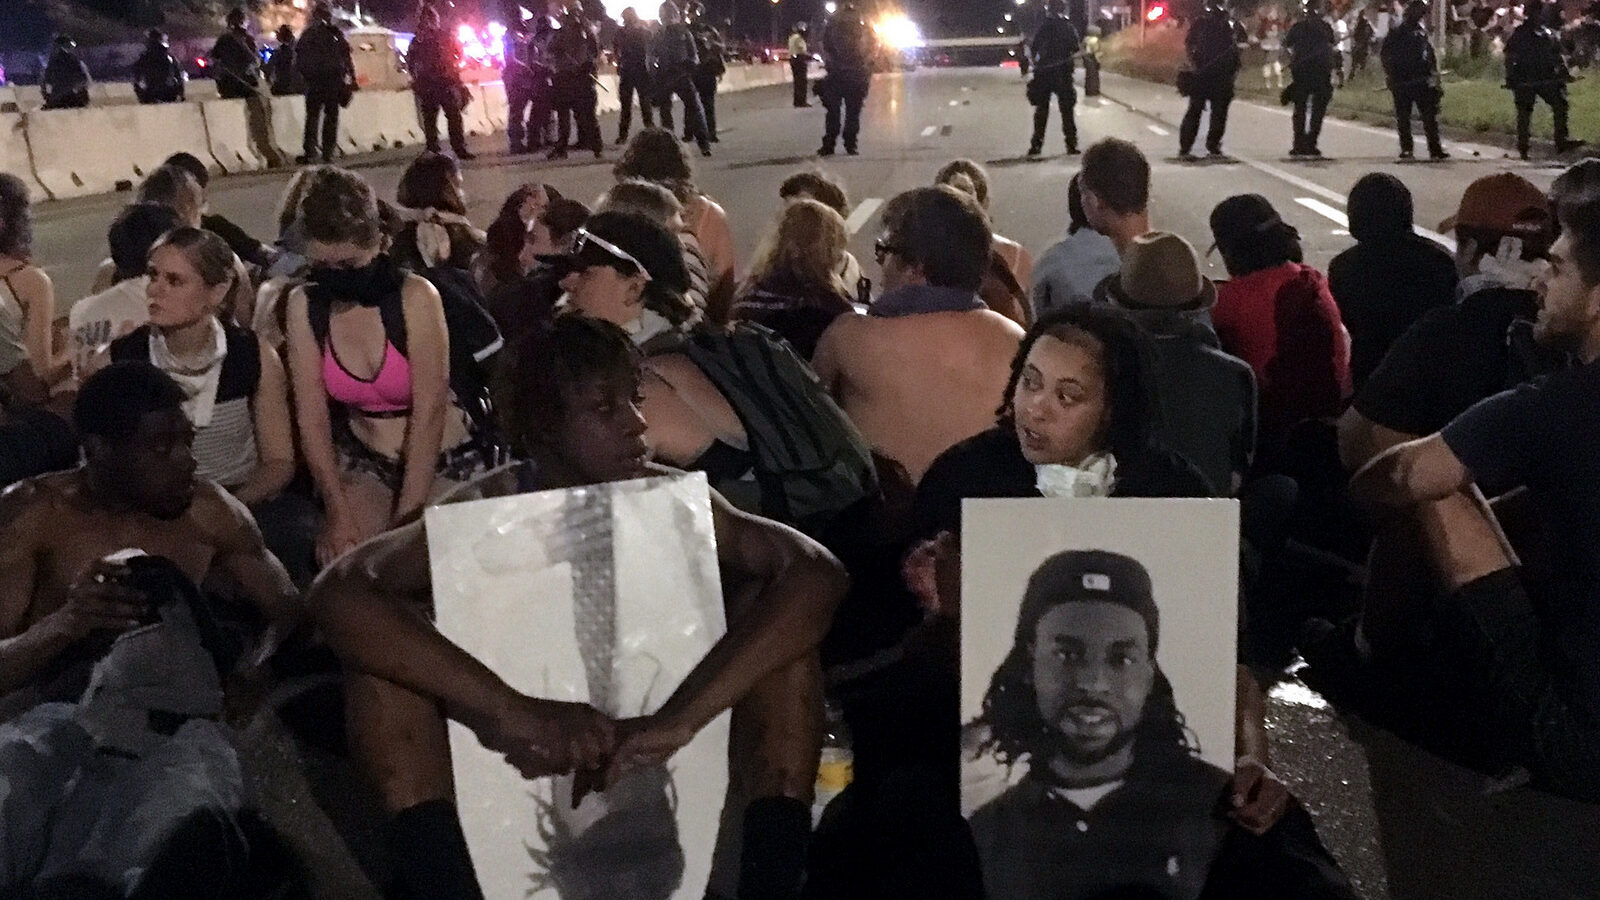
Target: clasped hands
(551,737)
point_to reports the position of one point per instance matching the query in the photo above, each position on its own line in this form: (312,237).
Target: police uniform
(708,72)
(574,56)
(633,77)
(1412,70)
(1311,47)
(1536,69)
(847,46)
(1213,63)
(1052,49)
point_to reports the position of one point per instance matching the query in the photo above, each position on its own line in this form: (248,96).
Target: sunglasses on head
(582,238)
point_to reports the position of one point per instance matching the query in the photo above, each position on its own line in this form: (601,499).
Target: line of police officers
(1536,69)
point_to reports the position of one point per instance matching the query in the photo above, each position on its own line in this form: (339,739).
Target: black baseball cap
(629,243)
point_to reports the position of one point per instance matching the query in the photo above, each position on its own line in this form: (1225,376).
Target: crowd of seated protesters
(258,412)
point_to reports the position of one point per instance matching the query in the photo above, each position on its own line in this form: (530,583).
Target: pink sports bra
(386,393)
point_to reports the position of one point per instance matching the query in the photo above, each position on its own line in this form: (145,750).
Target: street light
(830,7)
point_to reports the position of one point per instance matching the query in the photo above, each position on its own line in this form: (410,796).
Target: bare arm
(1360,439)
(26,517)
(428,349)
(826,360)
(1411,473)
(274,432)
(311,405)
(242,554)
(372,608)
(38,299)
(800,586)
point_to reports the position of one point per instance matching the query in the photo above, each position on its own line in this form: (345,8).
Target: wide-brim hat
(1160,270)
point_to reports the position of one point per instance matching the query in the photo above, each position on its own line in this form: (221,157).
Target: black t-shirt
(1382,287)
(1545,434)
(1451,358)
(991,464)
(239,241)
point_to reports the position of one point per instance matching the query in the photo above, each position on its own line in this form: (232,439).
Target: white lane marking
(955,102)
(862,212)
(1333,196)
(930,130)
(1157,129)
(1324,210)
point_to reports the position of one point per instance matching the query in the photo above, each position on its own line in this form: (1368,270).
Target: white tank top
(12,350)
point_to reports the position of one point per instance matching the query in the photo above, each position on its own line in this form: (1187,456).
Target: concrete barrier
(114,145)
(288,125)
(228,137)
(475,116)
(8,100)
(497,109)
(78,152)
(14,158)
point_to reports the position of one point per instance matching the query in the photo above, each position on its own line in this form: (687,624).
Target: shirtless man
(920,372)
(136,489)
(110,687)
(571,408)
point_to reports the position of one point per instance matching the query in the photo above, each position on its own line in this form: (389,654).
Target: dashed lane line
(930,131)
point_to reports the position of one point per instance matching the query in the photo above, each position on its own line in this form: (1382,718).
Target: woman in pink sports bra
(379,431)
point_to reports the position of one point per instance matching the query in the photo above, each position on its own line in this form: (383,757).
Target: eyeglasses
(882,248)
(582,238)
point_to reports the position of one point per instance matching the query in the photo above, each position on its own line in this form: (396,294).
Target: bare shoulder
(847,329)
(27,507)
(416,289)
(30,282)
(672,368)
(219,518)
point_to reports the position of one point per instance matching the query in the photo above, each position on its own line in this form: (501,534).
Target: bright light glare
(830,7)
(648,10)
(1008,17)
(898,32)
(1155,13)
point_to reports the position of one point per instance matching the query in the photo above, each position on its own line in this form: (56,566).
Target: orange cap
(1504,202)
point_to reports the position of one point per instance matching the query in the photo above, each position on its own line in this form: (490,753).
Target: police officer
(673,61)
(544,103)
(799,64)
(235,60)
(518,79)
(1537,70)
(65,84)
(434,62)
(157,77)
(1052,50)
(574,59)
(1213,57)
(1311,47)
(632,47)
(282,79)
(1412,70)
(322,57)
(848,47)
(708,45)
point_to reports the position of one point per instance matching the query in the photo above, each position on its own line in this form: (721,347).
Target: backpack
(810,461)
(474,338)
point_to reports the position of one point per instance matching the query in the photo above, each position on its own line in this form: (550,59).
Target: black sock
(430,853)
(777,832)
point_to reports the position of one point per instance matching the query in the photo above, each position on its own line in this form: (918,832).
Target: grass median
(1474,100)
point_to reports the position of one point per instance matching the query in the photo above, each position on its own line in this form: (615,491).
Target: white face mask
(1097,477)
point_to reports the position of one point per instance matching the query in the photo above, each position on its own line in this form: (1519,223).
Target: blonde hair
(215,263)
(293,193)
(807,245)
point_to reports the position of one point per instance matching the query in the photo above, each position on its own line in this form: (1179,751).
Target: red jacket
(1284,323)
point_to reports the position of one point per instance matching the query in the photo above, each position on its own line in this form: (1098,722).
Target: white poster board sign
(1061,601)
(607,595)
